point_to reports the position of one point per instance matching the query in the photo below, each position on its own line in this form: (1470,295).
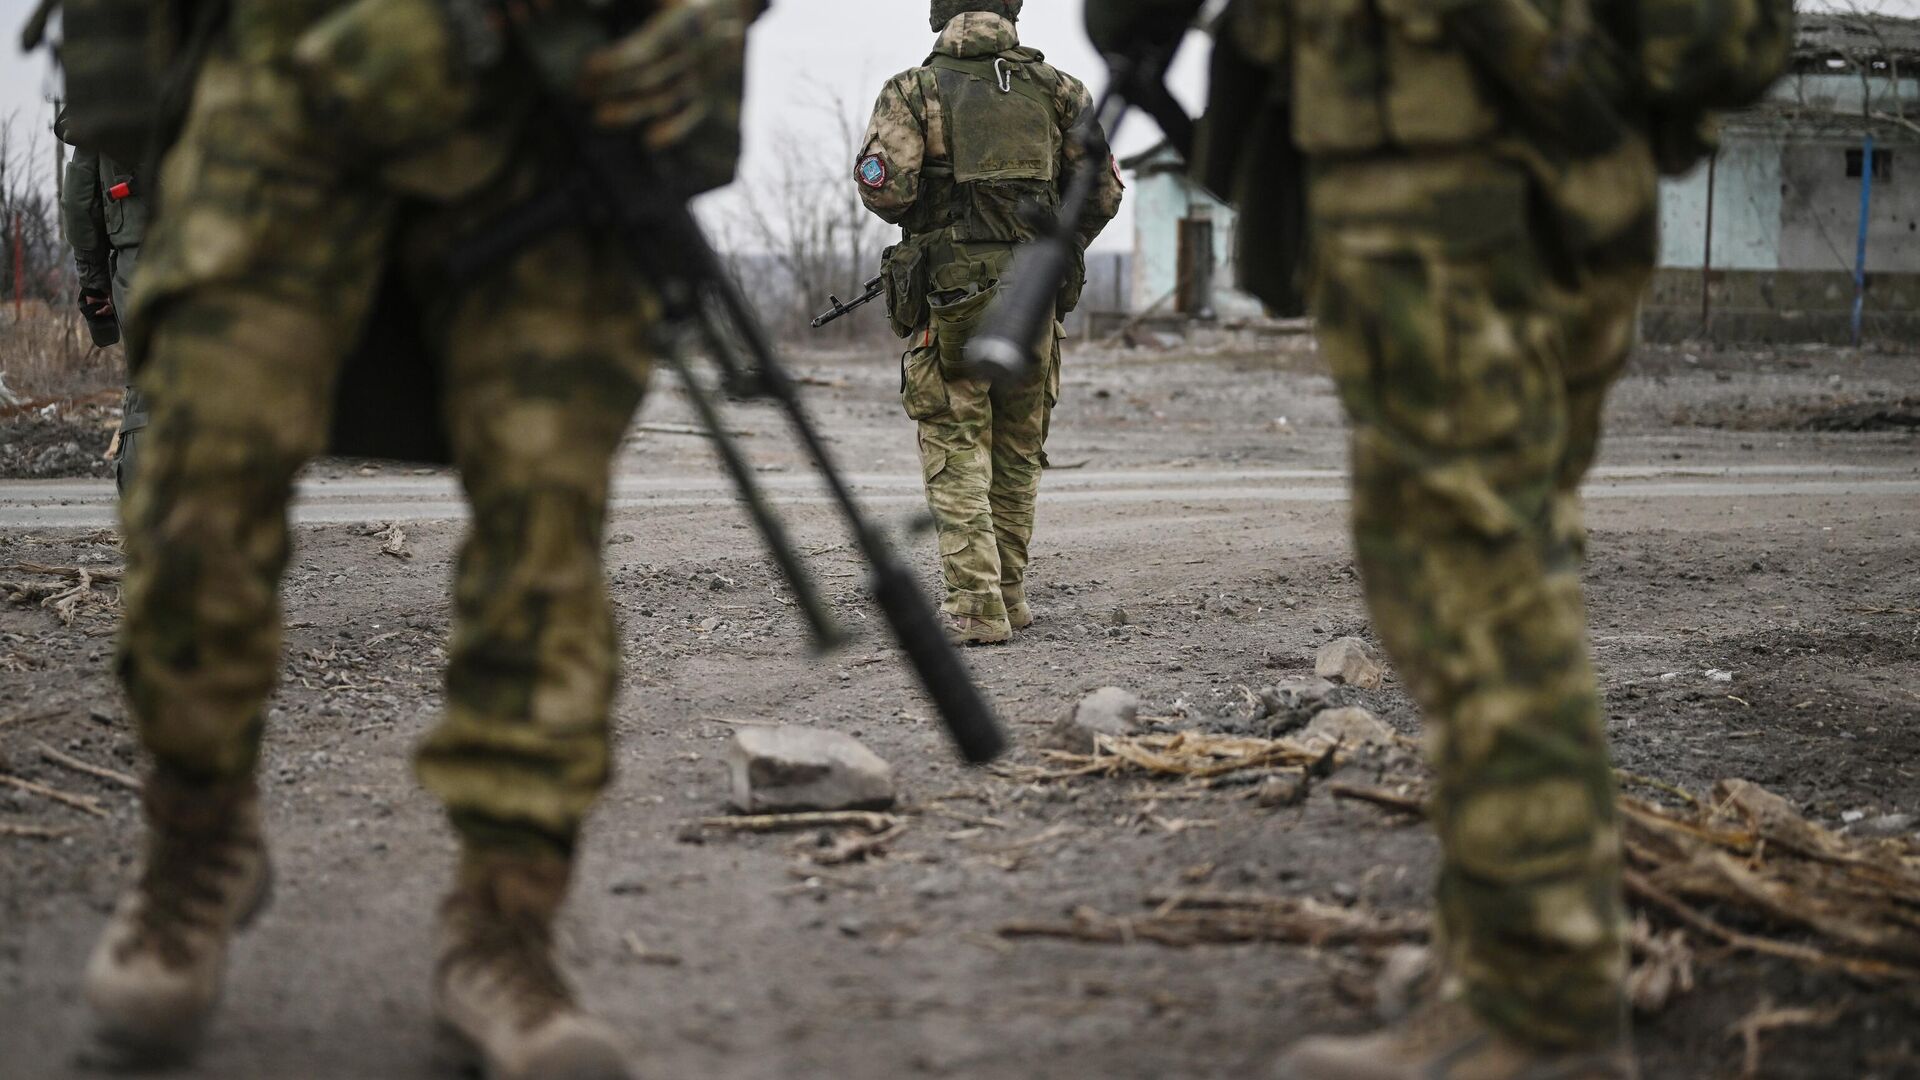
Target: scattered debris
(1765,1018)
(393,540)
(1191,754)
(1886,826)
(1392,800)
(31,832)
(1283,789)
(1664,967)
(66,601)
(1109,710)
(770,823)
(856,848)
(648,956)
(1209,918)
(1406,975)
(789,768)
(1347,660)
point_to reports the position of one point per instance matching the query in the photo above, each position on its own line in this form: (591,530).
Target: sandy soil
(1735,529)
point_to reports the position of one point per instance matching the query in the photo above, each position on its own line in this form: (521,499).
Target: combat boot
(975,630)
(155,975)
(1446,1041)
(500,1001)
(1019,614)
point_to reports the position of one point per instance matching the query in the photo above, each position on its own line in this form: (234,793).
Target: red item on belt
(121,190)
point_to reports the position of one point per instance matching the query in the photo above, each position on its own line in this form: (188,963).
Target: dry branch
(766,823)
(1406,804)
(1187,919)
(31,832)
(67,761)
(84,803)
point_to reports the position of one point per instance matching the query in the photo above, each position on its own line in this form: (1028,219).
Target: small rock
(1292,703)
(781,769)
(1402,980)
(628,887)
(1109,710)
(1853,816)
(1717,675)
(1346,660)
(1886,826)
(1119,617)
(1281,789)
(1351,726)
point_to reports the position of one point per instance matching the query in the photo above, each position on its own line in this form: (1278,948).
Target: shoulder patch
(872,171)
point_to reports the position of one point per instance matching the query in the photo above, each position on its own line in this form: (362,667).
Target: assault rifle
(875,288)
(613,185)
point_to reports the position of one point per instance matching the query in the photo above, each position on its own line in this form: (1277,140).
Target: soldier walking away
(1479,179)
(104,210)
(959,152)
(333,154)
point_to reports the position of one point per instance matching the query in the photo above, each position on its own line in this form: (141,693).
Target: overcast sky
(805,53)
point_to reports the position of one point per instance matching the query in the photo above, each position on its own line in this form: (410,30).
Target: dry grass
(45,353)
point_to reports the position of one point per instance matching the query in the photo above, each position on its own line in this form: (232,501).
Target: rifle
(613,185)
(875,287)
(1003,350)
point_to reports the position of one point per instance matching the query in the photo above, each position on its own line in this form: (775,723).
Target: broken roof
(1843,36)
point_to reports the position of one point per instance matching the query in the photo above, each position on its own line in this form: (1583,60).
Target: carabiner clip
(1004,72)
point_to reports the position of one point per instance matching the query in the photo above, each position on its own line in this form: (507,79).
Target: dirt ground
(1756,515)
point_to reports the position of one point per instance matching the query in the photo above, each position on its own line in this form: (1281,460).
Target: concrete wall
(1820,218)
(1746,208)
(1161,200)
(1785,305)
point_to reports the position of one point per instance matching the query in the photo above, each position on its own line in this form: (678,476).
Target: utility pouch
(957,314)
(903,270)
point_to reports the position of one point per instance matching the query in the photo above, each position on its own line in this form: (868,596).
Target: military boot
(975,630)
(1446,1041)
(499,999)
(1019,614)
(156,973)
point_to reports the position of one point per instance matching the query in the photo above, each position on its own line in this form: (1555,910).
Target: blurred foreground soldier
(104,209)
(1479,187)
(333,154)
(960,150)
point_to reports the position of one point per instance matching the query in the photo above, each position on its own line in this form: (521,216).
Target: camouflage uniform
(104,210)
(278,226)
(1475,278)
(955,148)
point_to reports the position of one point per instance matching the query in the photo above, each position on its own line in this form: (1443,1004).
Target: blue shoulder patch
(872,171)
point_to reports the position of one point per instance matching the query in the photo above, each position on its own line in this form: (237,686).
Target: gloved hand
(1130,27)
(684,66)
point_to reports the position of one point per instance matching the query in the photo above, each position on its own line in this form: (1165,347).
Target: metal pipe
(1860,251)
(1706,256)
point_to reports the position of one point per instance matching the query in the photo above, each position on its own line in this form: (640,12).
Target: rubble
(780,769)
(1109,710)
(1347,660)
(1292,703)
(1350,727)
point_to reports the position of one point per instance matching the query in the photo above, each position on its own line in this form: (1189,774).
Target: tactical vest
(1004,136)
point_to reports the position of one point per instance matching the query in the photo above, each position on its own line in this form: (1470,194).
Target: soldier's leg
(1020,418)
(1451,371)
(133,404)
(265,280)
(546,362)
(956,458)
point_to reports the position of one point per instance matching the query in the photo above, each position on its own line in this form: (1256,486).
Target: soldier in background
(958,151)
(104,210)
(1479,179)
(335,152)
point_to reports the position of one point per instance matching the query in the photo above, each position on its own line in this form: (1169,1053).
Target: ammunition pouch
(903,273)
(956,315)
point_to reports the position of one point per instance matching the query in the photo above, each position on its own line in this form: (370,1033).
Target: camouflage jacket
(906,168)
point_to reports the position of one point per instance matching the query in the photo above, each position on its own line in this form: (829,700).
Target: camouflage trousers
(261,270)
(982,449)
(1474,389)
